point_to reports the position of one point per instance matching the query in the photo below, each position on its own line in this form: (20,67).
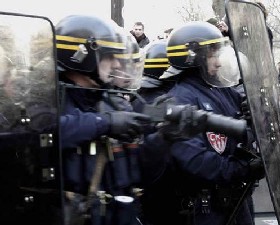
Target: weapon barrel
(227,125)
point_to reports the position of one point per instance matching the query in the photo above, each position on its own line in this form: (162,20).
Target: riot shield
(251,42)
(30,190)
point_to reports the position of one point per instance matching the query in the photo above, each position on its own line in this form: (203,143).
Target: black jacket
(142,41)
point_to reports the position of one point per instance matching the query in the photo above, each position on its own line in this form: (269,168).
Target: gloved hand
(256,169)
(192,121)
(169,131)
(186,124)
(244,153)
(126,125)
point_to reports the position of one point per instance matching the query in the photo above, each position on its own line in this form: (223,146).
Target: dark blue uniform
(149,95)
(81,128)
(203,167)
(153,158)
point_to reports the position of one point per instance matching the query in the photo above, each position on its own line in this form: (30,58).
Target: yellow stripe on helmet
(110,44)
(83,41)
(157,66)
(213,41)
(71,39)
(184,47)
(177,47)
(127,56)
(68,47)
(177,54)
(156,60)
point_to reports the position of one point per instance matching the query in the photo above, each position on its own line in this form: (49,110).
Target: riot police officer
(152,87)
(156,63)
(98,169)
(204,175)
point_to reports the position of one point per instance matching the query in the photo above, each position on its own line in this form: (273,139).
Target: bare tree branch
(192,10)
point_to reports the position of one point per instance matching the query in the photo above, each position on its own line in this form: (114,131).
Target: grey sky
(157,15)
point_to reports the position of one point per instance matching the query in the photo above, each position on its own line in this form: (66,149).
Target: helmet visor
(106,59)
(129,75)
(221,65)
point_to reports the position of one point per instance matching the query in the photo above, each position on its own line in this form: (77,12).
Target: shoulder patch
(217,141)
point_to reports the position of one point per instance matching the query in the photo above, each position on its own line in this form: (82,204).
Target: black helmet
(192,44)
(83,40)
(156,63)
(187,42)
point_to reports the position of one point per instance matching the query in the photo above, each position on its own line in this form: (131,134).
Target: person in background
(221,25)
(140,36)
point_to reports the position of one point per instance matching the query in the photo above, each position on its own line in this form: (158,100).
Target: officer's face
(213,62)
(222,67)
(124,77)
(138,30)
(107,67)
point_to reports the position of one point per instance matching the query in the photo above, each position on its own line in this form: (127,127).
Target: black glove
(186,124)
(244,153)
(126,125)
(256,169)
(169,131)
(192,121)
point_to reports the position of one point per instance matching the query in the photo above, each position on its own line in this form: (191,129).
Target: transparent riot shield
(250,39)
(30,190)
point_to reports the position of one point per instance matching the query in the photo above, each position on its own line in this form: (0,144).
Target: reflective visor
(128,76)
